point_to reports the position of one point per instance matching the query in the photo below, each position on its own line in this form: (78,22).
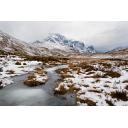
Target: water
(18,94)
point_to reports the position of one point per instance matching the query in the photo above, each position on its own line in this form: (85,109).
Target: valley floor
(94,82)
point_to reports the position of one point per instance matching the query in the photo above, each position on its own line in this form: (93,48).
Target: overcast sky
(102,35)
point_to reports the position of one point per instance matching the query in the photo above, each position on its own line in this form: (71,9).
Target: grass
(107,82)
(73,89)
(31,81)
(112,74)
(119,95)
(90,73)
(97,80)
(109,102)
(83,65)
(61,91)
(3,52)
(18,63)
(96,91)
(64,73)
(86,85)
(125,81)
(106,86)
(87,101)
(10,71)
(106,65)
(47,59)
(126,87)
(97,76)
(32,76)
(24,63)
(39,71)
(63,70)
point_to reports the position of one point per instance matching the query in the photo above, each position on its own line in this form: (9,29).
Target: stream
(18,94)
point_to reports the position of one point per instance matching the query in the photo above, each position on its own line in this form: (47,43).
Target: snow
(9,68)
(96,89)
(60,42)
(41,78)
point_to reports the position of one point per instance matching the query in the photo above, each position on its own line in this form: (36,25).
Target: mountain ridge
(58,41)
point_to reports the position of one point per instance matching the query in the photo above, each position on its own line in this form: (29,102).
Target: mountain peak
(56,40)
(53,37)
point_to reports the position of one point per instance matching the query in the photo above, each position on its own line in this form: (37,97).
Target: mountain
(9,44)
(54,44)
(58,42)
(117,53)
(119,50)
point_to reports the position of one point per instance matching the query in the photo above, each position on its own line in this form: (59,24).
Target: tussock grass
(112,74)
(61,91)
(96,91)
(88,101)
(126,87)
(125,81)
(119,95)
(18,63)
(90,73)
(32,82)
(24,63)
(10,71)
(97,76)
(109,102)
(106,65)
(47,59)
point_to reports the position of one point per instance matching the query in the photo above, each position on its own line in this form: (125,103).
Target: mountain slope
(61,43)
(117,53)
(119,50)
(10,44)
(54,44)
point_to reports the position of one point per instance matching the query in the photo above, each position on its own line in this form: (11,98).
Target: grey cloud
(103,35)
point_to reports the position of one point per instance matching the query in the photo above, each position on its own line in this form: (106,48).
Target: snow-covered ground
(13,65)
(97,84)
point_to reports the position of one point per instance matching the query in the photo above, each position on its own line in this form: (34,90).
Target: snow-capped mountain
(54,44)
(57,41)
